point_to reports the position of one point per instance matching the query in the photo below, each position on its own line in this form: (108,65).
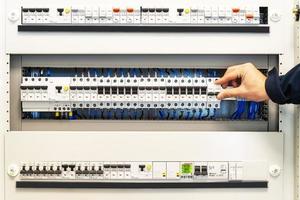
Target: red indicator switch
(116,10)
(249,16)
(236,10)
(130,10)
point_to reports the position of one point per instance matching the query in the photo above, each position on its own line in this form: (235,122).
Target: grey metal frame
(175,61)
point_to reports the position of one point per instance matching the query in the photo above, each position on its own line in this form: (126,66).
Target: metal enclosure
(270,142)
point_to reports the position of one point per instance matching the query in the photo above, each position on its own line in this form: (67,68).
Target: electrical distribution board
(92,88)
(127,94)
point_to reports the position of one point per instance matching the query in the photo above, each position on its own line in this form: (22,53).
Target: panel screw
(275,170)
(13,170)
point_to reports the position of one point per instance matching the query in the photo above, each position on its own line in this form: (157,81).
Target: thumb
(228,93)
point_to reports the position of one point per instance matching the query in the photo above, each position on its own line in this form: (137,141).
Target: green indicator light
(187,168)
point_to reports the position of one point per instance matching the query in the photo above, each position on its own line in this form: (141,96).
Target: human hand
(247,81)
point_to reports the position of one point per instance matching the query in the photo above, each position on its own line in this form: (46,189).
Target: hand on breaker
(247,81)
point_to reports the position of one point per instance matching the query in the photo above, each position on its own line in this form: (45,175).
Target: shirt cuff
(273,87)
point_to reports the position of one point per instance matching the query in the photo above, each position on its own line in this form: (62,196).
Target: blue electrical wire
(185,114)
(241,104)
(200,114)
(142,115)
(253,109)
(192,114)
(131,72)
(105,114)
(105,73)
(242,110)
(118,113)
(110,72)
(161,114)
(137,72)
(99,114)
(188,114)
(205,115)
(170,114)
(124,113)
(132,114)
(199,73)
(48,72)
(175,73)
(186,73)
(162,73)
(171,73)
(212,112)
(139,114)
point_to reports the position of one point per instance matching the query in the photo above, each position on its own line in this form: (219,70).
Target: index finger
(231,74)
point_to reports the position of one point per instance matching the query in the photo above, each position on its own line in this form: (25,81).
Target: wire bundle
(253,109)
(241,105)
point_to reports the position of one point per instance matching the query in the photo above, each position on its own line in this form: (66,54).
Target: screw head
(13,170)
(275,170)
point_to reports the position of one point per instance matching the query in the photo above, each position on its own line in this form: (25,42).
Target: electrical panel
(122,93)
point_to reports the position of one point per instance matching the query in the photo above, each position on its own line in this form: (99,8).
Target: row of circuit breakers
(63,94)
(145,15)
(185,171)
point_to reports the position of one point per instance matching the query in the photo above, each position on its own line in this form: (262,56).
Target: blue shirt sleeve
(284,89)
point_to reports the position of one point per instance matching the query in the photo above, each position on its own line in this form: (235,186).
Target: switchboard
(117,100)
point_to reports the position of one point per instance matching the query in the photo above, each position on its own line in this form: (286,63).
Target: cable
(161,114)
(212,112)
(241,104)
(253,109)
(207,114)
(199,114)
(199,73)
(138,114)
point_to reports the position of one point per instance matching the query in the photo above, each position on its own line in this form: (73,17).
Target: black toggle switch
(144,10)
(204,171)
(197,171)
(127,166)
(165,10)
(72,167)
(142,167)
(60,11)
(159,10)
(152,10)
(58,88)
(64,167)
(45,10)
